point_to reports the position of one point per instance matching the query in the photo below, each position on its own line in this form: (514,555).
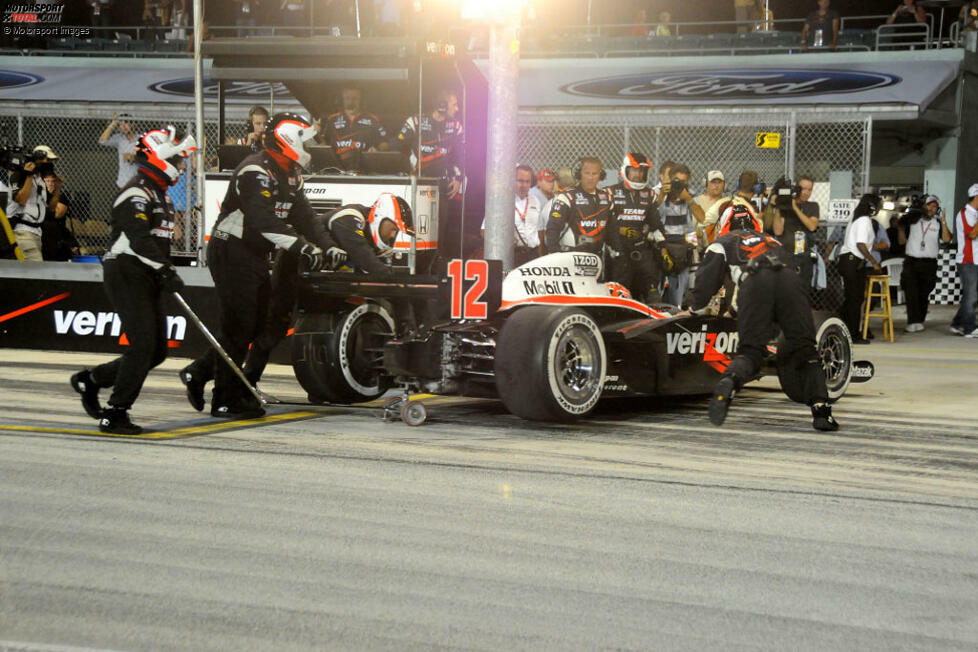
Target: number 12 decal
(471,306)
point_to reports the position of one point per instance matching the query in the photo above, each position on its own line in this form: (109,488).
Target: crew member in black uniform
(634,230)
(578,216)
(137,271)
(367,233)
(765,292)
(264,209)
(352,130)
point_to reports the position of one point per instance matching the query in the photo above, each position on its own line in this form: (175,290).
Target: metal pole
(867,152)
(628,141)
(188,213)
(504,73)
(198,213)
(20,130)
(356,8)
(792,137)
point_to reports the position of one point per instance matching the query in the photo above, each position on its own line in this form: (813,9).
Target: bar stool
(882,281)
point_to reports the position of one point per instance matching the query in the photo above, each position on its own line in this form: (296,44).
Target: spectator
(966,224)
(156,14)
(295,13)
(742,14)
(921,233)
(715,186)
(101,15)
(763,18)
(526,235)
(29,201)
(124,141)
(678,212)
(716,221)
(57,240)
(796,228)
(544,192)
(821,28)
(244,14)
(896,249)
(853,258)
(639,24)
(969,16)
(334,17)
(663,28)
(352,131)
(664,169)
(907,13)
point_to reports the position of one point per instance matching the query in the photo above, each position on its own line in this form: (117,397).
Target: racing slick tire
(550,364)
(834,346)
(336,356)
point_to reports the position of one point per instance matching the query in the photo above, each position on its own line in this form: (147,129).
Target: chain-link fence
(728,142)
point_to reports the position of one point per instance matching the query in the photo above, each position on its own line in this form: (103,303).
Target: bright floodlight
(484,10)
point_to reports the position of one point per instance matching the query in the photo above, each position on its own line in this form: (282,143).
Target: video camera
(676,188)
(783,192)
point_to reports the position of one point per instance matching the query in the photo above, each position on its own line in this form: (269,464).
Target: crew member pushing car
(265,208)
(137,271)
(765,292)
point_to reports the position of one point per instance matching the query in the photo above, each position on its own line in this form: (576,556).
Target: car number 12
(468,304)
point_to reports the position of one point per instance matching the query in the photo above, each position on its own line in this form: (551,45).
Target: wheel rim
(834,353)
(578,369)
(363,348)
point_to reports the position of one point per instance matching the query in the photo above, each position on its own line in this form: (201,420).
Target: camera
(12,158)
(676,188)
(783,192)
(759,188)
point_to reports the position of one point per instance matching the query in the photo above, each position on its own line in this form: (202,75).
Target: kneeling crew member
(767,292)
(137,271)
(634,230)
(578,216)
(265,208)
(367,233)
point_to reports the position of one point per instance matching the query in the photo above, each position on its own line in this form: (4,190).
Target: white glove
(335,257)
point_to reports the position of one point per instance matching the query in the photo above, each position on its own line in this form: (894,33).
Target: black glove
(335,257)
(310,258)
(169,280)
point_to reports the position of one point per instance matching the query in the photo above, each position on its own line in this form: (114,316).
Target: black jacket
(584,214)
(349,228)
(633,216)
(266,208)
(142,222)
(733,253)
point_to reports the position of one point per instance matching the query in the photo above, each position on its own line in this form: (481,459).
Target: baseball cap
(929,198)
(973,190)
(715,174)
(546,174)
(47,152)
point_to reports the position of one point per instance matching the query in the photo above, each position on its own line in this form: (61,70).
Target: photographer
(678,210)
(30,201)
(795,222)
(57,240)
(921,230)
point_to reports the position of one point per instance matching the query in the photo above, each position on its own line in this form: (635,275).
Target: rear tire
(335,355)
(834,346)
(550,363)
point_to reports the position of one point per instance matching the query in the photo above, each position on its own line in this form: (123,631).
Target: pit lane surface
(641,528)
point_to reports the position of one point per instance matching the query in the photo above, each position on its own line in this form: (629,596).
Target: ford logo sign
(232,90)
(754,84)
(11,79)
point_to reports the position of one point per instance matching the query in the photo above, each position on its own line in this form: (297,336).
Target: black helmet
(741,219)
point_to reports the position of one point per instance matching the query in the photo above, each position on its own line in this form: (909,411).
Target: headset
(579,163)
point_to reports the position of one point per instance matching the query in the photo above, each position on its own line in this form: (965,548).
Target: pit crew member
(579,215)
(264,209)
(368,233)
(137,271)
(634,232)
(766,291)
(353,130)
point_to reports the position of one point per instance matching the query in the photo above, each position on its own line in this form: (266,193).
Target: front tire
(550,364)
(336,356)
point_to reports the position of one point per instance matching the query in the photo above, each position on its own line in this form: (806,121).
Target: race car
(550,340)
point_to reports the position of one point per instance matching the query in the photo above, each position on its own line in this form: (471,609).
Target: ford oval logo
(238,89)
(11,79)
(697,85)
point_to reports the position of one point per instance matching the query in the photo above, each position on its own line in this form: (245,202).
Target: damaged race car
(549,340)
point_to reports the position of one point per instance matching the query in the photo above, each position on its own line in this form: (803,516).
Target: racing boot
(195,387)
(115,421)
(238,410)
(720,401)
(822,418)
(83,384)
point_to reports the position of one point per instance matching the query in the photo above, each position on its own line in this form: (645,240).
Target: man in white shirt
(544,192)
(855,253)
(527,219)
(119,134)
(966,224)
(921,232)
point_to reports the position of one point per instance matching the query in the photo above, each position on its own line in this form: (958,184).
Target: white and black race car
(550,339)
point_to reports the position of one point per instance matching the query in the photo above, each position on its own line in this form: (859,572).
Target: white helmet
(290,134)
(394,208)
(162,149)
(635,160)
